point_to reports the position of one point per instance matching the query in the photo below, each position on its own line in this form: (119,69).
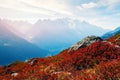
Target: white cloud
(53,5)
(107,22)
(87,6)
(109,3)
(46,8)
(31,10)
(20,6)
(102,13)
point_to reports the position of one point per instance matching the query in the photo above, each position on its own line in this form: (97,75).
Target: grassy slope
(99,61)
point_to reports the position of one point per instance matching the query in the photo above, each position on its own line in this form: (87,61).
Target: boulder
(85,42)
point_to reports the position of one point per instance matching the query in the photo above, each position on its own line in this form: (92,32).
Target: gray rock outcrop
(85,42)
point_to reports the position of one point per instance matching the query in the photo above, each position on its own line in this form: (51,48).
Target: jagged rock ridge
(85,42)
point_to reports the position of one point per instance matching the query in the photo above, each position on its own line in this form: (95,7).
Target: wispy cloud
(92,11)
(87,6)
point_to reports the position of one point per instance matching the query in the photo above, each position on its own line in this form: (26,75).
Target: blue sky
(103,13)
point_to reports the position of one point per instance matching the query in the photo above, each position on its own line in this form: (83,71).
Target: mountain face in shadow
(14,48)
(111,33)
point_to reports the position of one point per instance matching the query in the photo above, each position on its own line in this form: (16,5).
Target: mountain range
(44,38)
(55,35)
(92,58)
(13,47)
(111,33)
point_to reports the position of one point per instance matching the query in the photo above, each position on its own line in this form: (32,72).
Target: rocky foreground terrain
(90,59)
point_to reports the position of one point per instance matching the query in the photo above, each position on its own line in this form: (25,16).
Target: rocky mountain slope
(97,60)
(85,42)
